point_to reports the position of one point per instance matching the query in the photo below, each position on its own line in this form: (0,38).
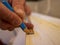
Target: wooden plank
(47,32)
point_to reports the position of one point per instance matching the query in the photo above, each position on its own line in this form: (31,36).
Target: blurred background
(48,7)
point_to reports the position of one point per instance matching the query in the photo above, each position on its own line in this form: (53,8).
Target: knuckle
(16,22)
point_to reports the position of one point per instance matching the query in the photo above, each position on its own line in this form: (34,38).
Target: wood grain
(47,31)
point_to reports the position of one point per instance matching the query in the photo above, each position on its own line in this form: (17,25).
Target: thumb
(19,8)
(20,12)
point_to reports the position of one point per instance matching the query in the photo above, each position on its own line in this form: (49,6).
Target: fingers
(18,6)
(20,12)
(21,8)
(6,26)
(9,16)
(27,10)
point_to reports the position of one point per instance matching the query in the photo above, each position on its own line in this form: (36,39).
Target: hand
(8,19)
(22,9)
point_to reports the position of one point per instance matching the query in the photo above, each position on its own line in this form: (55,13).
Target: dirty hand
(22,9)
(10,20)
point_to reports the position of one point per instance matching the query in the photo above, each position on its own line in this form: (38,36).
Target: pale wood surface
(47,30)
